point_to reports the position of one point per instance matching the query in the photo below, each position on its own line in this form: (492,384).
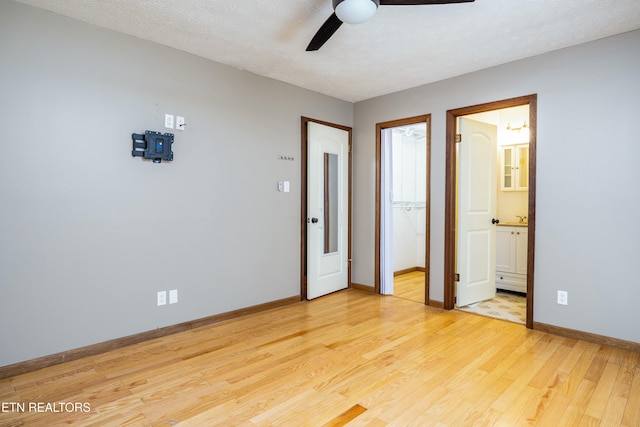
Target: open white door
(476,212)
(386,213)
(327,209)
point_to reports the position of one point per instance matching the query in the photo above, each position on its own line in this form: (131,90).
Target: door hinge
(456,277)
(349,148)
(458,137)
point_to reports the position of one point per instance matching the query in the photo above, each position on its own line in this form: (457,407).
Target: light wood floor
(349,358)
(410,286)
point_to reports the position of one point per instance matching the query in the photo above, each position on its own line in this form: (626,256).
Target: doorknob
(314,220)
(495,221)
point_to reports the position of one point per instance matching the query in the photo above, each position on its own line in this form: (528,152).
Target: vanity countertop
(513,224)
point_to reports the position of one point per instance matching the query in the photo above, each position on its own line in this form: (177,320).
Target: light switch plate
(168,121)
(173,296)
(180,123)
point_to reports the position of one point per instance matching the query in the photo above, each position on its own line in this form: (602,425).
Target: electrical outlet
(173,296)
(162,298)
(563,297)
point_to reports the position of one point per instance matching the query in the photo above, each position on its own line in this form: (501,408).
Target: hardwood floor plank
(578,403)
(522,373)
(350,358)
(486,418)
(603,392)
(548,373)
(553,410)
(346,416)
(517,413)
(588,421)
(614,411)
(480,398)
(594,373)
(631,415)
(575,371)
(294,409)
(410,286)
(419,413)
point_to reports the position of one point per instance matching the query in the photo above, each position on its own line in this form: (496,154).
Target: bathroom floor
(506,305)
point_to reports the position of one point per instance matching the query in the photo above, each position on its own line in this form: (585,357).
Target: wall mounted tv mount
(153,145)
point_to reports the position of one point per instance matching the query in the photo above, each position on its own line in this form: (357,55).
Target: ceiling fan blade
(419,2)
(325,32)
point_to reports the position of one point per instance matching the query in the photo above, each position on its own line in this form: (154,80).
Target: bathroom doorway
(509,221)
(478,242)
(402,208)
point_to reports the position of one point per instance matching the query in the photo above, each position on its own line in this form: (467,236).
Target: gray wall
(588,157)
(88,234)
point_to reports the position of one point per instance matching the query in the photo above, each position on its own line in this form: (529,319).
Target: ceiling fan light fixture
(355,11)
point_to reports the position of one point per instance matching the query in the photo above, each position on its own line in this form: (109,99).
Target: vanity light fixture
(524,126)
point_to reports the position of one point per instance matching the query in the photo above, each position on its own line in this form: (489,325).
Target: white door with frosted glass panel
(476,263)
(327,209)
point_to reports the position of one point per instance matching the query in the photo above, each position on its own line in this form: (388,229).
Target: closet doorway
(403,150)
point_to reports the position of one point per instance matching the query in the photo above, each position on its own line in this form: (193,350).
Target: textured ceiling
(400,48)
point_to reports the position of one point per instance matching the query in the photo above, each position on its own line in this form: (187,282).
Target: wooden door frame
(303,201)
(379,128)
(450,195)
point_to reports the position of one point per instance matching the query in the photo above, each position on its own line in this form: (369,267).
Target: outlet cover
(563,297)
(162,298)
(173,296)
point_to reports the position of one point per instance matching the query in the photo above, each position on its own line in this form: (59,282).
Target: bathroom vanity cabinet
(511,257)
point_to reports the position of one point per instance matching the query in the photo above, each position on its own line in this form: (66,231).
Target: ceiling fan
(359,11)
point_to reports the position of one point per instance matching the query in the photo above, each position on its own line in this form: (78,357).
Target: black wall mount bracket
(153,145)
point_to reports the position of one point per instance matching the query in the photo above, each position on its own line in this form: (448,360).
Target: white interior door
(327,209)
(476,209)
(386,214)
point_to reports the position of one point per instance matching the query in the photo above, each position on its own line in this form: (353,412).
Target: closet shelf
(408,205)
